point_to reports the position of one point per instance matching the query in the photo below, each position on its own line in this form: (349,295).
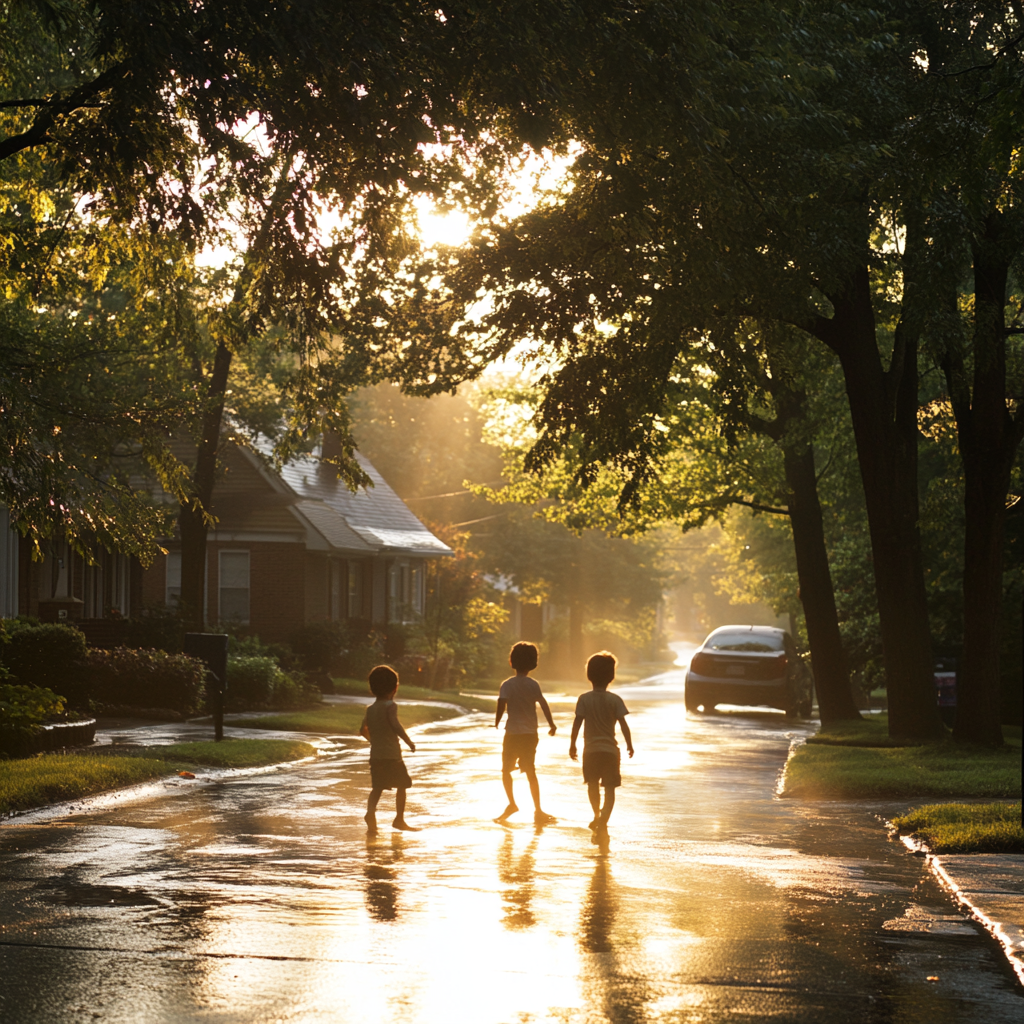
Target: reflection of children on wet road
(519,695)
(382,728)
(516,873)
(597,712)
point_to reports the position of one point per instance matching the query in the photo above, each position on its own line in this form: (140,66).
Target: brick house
(289,548)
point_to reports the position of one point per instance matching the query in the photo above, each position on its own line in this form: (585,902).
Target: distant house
(290,548)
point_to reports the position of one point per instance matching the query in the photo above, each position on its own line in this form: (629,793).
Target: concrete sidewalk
(990,887)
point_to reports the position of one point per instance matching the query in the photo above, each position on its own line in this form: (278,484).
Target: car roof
(751,629)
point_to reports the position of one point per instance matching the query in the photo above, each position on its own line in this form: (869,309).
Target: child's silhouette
(382,728)
(597,712)
(520,694)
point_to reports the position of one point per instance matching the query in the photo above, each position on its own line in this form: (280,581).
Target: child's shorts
(521,747)
(602,768)
(389,773)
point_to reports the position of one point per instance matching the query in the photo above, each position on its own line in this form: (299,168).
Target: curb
(976,883)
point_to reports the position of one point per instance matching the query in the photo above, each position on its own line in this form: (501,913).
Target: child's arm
(364,729)
(547,714)
(502,704)
(577,724)
(625,734)
(397,726)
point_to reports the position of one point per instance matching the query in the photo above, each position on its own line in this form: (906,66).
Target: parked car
(755,665)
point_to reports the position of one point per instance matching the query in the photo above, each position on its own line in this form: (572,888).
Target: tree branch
(47,117)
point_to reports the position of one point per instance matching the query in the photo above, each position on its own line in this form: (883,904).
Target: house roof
(372,520)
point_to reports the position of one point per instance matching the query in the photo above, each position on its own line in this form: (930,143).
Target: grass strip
(864,732)
(233,753)
(52,778)
(345,719)
(49,778)
(965,828)
(360,688)
(943,769)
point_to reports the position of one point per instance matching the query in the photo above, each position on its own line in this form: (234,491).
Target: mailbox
(212,650)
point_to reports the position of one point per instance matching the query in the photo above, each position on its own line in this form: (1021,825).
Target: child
(597,712)
(382,728)
(520,694)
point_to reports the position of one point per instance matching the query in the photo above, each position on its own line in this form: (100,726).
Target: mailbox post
(212,649)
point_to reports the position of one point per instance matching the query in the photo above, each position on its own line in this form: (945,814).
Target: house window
(355,590)
(234,586)
(173,582)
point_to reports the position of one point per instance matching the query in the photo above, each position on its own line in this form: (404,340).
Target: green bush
(253,646)
(147,679)
(22,707)
(251,679)
(49,655)
(258,681)
(322,646)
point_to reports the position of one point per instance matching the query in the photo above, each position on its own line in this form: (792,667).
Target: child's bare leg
(538,814)
(371,809)
(400,822)
(609,803)
(594,795)
(506,781)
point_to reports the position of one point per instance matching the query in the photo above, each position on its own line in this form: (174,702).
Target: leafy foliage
(147,679)
(48,655)
(22,707)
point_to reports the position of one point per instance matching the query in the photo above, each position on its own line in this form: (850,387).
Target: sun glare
(452,228)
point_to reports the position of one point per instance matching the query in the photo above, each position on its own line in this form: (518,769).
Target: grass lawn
(49,778)
(857,760)
(360,688)
(965,828)
(344,719)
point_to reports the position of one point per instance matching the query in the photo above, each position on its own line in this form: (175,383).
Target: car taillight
(701,663)
(781,662)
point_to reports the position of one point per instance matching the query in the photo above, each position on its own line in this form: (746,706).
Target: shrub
(22,707)
(147,679)
(322,646)
(253,646)
(251,679)
(50,655)
(255,681)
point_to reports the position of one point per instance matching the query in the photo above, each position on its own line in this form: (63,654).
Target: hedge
(147,679)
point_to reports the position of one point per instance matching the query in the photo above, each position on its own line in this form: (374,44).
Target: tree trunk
(831,679)
(193,522)
(989,438)
(817,595)
(883,406)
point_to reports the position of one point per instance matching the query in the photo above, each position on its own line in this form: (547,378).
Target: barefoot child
(382,728)
(520,695)
(597,712)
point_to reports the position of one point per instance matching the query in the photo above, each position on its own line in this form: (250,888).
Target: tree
(254,126)
(684,217)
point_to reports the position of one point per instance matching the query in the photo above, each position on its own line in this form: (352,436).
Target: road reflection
(516,874)
(381,887)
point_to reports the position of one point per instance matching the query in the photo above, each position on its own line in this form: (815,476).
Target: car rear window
(757,642)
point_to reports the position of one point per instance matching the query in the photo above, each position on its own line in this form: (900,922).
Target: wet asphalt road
(262,899)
